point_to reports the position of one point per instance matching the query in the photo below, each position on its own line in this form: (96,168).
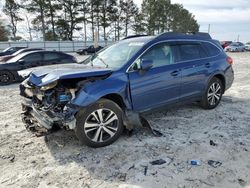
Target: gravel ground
(58,160)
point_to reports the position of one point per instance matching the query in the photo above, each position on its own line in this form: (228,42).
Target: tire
(91,128)
(6,78)
(213,94)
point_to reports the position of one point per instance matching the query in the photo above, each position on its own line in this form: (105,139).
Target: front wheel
(100,124)
(6,78)
(213,94)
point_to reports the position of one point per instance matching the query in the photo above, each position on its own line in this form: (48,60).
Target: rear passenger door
(51,58)
(194,64)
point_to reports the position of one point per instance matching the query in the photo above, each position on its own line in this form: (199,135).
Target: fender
(218,72)
(93,91)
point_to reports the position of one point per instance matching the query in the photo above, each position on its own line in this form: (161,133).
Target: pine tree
(11,9)
(4,34)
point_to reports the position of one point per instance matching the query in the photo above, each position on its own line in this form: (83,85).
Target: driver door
(158,86)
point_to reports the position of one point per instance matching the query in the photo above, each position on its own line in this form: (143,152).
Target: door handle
(175,73)
(207,65)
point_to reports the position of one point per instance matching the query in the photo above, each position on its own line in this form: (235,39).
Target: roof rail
(200,35)
(133,36)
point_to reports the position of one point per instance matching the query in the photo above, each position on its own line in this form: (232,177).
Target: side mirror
(146,64)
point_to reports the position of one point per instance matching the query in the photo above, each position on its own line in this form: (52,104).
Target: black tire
(6,78)
(95,138)
(211,99)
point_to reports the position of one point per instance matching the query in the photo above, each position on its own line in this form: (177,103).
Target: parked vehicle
(131,77)
(8,70)
(235,47)
(7,57)
(89,50)
(10,50)
(247,46)
(224,44)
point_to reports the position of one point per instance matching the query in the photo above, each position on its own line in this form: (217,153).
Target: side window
(191,52)
(160,54)
(33,57)
(51,56)
(211,49)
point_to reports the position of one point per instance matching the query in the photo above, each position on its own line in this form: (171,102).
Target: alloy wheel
(101,125)
(4,78)
(214,93)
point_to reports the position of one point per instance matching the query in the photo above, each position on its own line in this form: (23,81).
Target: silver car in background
(247,46)
(235,47)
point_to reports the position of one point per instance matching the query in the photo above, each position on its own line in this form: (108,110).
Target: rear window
(211,49)
(191,52)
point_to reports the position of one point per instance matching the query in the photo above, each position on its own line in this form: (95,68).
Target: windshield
(17,52)
(15,59)
(7,49)
(115,56)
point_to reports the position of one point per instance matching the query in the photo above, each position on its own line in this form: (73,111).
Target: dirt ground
(58,160)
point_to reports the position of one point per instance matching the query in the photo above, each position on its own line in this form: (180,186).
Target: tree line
(108,19)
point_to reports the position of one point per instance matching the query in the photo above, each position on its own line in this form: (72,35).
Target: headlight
(49,86)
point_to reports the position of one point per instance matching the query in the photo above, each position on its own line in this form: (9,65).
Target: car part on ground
(115,87)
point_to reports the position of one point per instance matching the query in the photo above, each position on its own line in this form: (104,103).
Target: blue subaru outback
(110,89)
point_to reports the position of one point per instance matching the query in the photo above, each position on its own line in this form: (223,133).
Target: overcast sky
(227,18)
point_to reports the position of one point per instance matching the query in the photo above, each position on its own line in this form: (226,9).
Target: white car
(247,46)
(235,47)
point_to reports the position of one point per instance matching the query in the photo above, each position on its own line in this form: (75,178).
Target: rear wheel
(213,94)
(100,124)
(6,78)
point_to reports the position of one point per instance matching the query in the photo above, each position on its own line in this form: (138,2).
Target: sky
(228,19)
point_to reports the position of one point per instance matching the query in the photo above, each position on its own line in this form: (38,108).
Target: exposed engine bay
(50,105)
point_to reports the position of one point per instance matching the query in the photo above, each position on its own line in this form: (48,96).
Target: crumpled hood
(50,74)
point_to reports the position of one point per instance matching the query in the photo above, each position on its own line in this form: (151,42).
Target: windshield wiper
(102,61)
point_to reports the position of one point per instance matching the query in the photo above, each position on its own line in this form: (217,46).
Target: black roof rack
(133,36)
(199,35)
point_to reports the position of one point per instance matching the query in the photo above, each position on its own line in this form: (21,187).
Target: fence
(65,46)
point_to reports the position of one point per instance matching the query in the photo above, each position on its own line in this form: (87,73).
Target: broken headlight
(49,86)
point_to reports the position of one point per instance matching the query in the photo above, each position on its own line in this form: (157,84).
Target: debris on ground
(145,169)
(10,157)
(158,162)
(214,164)
(242,182)
(122,176)
(212,143)
(195,162)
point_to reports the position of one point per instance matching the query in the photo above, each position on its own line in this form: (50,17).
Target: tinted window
(191,52)
(211,49)
(33,57)
(160,54)
(51,56)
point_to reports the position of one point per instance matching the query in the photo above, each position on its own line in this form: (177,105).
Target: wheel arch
(222,79)
(116,98)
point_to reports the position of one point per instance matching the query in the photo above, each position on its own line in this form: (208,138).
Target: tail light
(230,60)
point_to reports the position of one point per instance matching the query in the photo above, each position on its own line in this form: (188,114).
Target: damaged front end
(47,107)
